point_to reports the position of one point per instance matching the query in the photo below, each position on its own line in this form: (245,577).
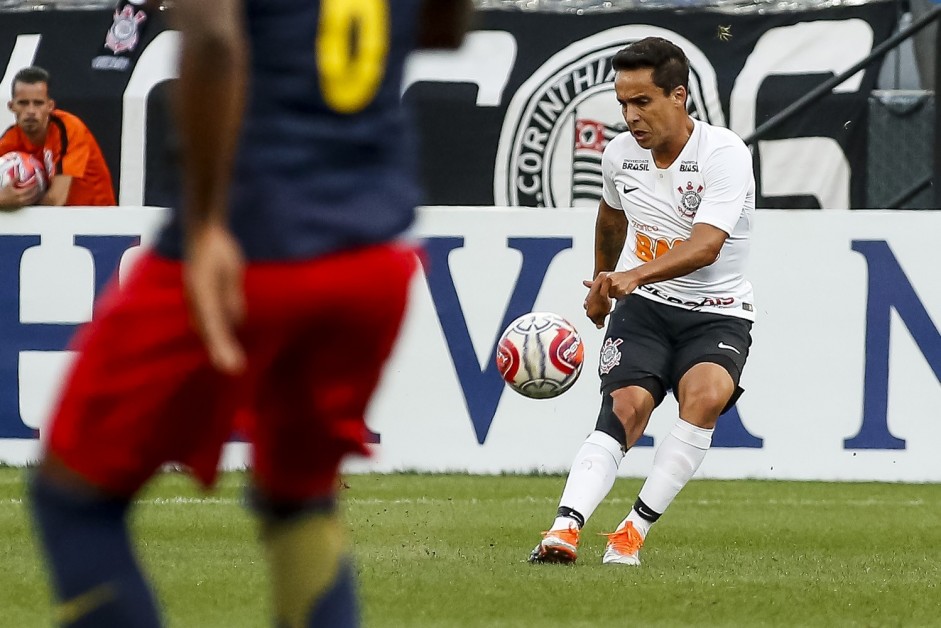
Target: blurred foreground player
(253,303)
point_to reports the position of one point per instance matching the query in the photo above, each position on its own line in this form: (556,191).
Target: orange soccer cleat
(623,546)
(557,546)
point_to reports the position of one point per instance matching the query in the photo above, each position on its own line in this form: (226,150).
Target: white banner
(843,382)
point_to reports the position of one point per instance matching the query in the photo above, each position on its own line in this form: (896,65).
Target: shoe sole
(621,560)
(553,555)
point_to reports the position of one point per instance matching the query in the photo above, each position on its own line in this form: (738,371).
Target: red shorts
(317,334)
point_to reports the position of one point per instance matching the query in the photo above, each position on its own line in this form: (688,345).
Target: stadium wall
(520,114)
(844,380)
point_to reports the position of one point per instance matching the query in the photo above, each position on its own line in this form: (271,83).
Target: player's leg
(311,569)
(139,394)
(96,577)
(594,470)
(633,361)
(310,415)
(676,460)
(707,386)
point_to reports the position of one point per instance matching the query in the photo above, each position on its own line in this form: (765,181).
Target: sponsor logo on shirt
(639,226)
(714,301)
(689,166)
(636,164)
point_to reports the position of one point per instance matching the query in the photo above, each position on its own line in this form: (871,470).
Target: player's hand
(15,197)
(621,284)
(213,274)
(597,303)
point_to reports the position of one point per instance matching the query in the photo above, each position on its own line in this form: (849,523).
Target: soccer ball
(540,355)
(23,170)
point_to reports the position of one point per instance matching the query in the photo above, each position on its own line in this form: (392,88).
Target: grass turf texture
(451,550)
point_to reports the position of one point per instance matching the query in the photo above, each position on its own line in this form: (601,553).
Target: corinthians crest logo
(561,119)
(690,198)
(610,355)
(124,32)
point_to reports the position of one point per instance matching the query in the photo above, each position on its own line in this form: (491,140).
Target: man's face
(652,117)
(32,107)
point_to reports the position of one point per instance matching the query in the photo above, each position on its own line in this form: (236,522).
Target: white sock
(674,464)
(593,473)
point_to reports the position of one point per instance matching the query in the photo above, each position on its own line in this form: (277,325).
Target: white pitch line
(622,500)
(160,501)
(172,501)
(813,502)
(528,499)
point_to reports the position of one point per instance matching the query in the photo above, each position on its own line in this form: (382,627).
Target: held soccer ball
(540,355)
(23,170)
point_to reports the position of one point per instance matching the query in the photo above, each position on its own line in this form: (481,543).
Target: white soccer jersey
(711,181)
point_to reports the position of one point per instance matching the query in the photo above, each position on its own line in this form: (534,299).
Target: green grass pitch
(450,550)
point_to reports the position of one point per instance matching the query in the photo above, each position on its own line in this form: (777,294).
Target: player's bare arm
(58,192)
(444,22)
(213,69)
(700,250)
(610,233)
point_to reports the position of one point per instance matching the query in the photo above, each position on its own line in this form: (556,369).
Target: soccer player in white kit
(671,241)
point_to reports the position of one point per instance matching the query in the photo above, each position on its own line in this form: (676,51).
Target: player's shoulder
(69,121)
(10,137)
(716,137)
(721,148)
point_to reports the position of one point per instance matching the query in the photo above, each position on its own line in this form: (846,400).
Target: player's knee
(629,418)
(701,403)
(609,423)
(704,392)
(631,415)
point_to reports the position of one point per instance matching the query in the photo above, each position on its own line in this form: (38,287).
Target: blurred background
(867,142)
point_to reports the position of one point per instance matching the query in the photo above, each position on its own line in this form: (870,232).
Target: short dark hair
(667,60)
(31,75)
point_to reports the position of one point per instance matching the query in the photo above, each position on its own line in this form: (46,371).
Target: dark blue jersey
(326,157)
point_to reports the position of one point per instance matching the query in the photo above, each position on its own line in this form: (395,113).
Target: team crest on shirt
(610,355)
(560,120)
(690,198)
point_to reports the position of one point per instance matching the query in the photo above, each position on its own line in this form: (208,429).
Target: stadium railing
(813,96)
